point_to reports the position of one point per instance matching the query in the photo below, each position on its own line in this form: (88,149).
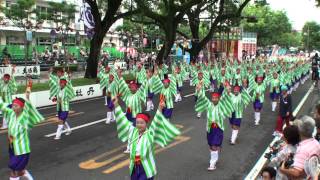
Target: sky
(298,11)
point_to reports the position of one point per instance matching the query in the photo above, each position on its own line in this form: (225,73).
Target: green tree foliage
(270,26)
(311,35)
(20,12)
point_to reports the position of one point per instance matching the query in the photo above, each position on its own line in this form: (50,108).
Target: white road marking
(79,127)
(253,174)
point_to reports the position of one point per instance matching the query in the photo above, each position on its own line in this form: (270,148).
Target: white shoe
(212,167)
(57,138)
(108,121)
(127,151)
(2,128)
(199,115)
(56,115)
(68,132)
(256,123)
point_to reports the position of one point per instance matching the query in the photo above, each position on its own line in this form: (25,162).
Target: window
(14,40)
(43,41)
(42,11)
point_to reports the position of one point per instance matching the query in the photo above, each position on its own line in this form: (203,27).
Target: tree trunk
(170,35)
(159,59)
(92,61)
(194,51)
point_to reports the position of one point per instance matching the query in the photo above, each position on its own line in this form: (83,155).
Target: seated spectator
(307,148)
(268,173)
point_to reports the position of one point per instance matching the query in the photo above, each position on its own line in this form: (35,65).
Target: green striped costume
(259,89)
(104,80)
(215,113)
(132,101)
(153,84)
(54,83)
(240,102)
(64,97)
(168,92)
(8,89)
(161,131)
(275,85)
(19,127)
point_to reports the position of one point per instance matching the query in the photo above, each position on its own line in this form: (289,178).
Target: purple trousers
(17,163)
(167,112)
(138,173)
(215,137)
(63,115)
(235,121)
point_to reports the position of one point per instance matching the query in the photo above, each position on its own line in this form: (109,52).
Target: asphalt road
(93,152)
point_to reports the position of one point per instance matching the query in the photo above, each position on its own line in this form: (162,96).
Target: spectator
(315,68)
(285,110)
(292,138)
(307,148)
(34,55)
(268,173)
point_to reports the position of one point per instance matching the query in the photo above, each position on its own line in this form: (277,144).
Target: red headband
(200,74)
(236,88)
(63,81)
(107,68)
(144,117)
(166,81)
(6,76)
(215,94)
(260,78)
(133,85)
(18,102)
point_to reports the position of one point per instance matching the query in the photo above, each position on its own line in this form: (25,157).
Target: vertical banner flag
(87,18)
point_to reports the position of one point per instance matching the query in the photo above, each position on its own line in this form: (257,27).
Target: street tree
(311,36)
(104,13)
(201,29)
(270,24)
(167,14)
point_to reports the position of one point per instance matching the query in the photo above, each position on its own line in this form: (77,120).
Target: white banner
(41,98)
(21,70)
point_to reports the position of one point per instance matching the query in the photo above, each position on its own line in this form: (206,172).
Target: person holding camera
(307,148)
(291,138)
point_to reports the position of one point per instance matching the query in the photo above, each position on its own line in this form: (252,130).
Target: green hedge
(75,82)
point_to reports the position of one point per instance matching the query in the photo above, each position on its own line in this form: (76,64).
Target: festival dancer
(151,84)
(142,140)
(240,99)
(274,90)
(21,117)
(217,110)
(258,98)
(111,91)
(8,88)
(201,84)
(103,75)
(63,97)
(134,97)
